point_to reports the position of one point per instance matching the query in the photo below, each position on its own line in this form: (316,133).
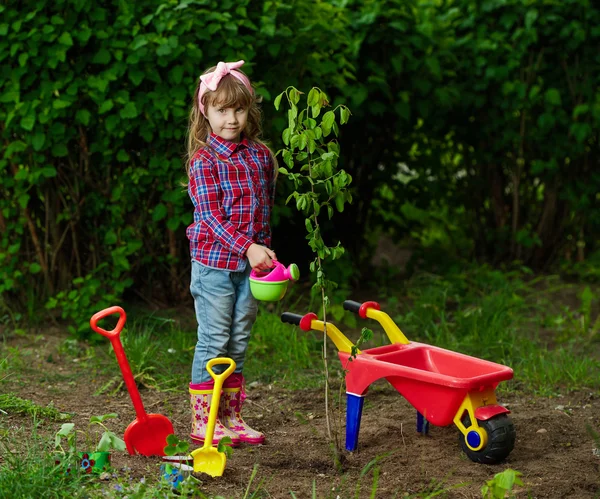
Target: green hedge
(94,111)
(474,130)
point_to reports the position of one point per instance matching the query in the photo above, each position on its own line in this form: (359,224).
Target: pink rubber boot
(230,410)
(200,399)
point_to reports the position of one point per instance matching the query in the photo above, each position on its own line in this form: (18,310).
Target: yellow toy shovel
(207,458)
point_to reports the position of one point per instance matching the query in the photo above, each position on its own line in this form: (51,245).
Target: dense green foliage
(474,130)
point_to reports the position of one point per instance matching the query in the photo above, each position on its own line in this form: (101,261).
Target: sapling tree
(310,158)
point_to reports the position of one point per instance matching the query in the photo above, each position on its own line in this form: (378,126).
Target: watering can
(272,284)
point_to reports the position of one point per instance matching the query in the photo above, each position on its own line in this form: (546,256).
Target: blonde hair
(231,92)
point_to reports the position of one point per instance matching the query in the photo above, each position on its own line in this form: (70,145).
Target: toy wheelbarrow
(444,387)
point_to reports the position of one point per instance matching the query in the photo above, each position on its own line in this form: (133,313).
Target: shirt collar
(226,148)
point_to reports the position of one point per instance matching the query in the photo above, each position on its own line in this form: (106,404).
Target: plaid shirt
(232,187)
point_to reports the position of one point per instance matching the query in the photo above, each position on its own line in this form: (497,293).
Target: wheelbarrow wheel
(501,439)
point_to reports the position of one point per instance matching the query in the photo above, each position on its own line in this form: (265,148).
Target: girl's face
(227,122)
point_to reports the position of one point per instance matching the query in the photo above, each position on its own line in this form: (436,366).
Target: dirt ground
(554,451)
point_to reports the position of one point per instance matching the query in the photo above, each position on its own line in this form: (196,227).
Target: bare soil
(554,450)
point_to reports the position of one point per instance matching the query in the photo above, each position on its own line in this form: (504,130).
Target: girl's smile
(227,122)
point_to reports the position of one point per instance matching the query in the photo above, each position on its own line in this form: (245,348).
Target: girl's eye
(221,110)
(240,110)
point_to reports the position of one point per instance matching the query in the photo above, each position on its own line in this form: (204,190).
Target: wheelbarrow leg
(354,407)
(422,424)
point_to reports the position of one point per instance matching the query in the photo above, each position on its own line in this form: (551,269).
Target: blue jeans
(226,311)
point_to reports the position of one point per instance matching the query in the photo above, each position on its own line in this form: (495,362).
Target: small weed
(501,485)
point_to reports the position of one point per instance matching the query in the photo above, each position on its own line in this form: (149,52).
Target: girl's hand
(260,257)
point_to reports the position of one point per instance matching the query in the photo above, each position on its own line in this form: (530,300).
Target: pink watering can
(272,284)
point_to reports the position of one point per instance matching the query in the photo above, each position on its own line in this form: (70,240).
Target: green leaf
(327,122)
(553,97)
(10,96)
(59,150)
(117,443)
(530,18)
(104,444)
(35,268)
(277,101)
(102,57)
(122,156)
(302,141)
(313,97)
(65,39)
(164,49)
(344,115)
(160,212)
(110,237)
(83,116)
(308,225)
(224,446)
(28,122)
(339,201)
(23,200)
(38,140)
(61,104)
(107,105)
(294,95)
(580,109)
(129,111)
(48,172)
(581,131)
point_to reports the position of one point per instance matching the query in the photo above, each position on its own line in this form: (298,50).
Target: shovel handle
(214,406)
(225,374)
(115,339)
(97,317)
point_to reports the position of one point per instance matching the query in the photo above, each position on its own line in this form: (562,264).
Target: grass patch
(11,404)
(279,352)
(28,469)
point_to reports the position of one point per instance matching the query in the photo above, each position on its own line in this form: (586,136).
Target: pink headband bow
(210,81)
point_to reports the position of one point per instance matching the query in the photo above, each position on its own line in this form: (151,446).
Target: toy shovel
(147,434)
(207,458)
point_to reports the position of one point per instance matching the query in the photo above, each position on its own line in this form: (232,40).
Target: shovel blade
(148,437)
(209,460)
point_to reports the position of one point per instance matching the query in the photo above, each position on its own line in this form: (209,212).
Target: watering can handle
(105,313)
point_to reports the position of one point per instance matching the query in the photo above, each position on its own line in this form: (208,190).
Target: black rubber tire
(501,439)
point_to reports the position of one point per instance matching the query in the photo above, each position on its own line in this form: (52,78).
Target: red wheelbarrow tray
(433,380)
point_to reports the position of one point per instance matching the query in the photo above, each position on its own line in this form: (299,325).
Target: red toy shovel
(147,435)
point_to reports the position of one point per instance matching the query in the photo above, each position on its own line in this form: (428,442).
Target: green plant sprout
(108,439)
(312,165)
(176,447)
(365,335)
(501,485)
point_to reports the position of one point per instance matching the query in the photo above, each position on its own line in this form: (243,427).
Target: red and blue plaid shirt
(232,186)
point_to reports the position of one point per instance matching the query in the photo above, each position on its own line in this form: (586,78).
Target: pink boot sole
(252,441)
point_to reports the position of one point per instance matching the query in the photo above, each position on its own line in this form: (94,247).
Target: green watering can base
(94,462)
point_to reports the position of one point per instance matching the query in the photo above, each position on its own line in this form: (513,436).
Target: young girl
(231,181)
